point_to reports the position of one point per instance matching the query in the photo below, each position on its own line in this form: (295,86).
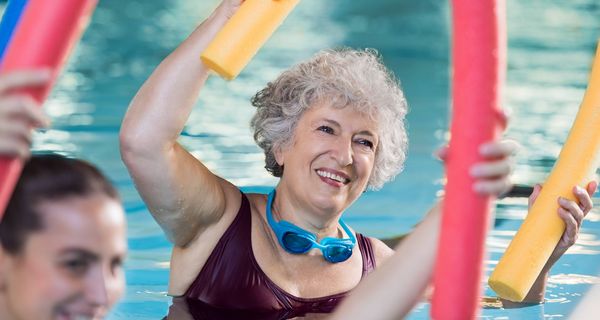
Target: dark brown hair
(46,178)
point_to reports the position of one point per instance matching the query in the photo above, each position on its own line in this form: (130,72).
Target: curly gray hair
(343,77)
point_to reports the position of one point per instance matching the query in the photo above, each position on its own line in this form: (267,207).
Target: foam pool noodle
(241,37)
(478,60)
(539,234)
(11,16)
(45,33)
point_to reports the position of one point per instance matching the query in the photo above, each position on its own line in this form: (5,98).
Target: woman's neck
(296,209)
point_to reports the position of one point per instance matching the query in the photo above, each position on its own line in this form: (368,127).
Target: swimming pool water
(550,49)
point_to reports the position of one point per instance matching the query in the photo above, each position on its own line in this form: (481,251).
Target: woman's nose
(343,153)
(96,292)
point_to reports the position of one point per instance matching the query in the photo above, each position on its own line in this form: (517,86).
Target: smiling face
(72,268)
(328,164)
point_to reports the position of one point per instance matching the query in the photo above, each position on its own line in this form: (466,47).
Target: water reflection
(573,279)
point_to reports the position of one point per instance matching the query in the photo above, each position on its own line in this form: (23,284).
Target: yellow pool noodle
(542,229)
(242,36)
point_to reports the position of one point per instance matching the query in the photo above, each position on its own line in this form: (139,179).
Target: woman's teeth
(332,176)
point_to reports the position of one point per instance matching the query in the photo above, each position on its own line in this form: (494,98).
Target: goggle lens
(296,243)
(336,254)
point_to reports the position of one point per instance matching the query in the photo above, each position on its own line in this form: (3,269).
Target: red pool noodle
(478,57)
(46,32)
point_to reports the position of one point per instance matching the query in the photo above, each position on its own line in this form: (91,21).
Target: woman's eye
(77,267)
(116,264)
(366,143)
(325,129)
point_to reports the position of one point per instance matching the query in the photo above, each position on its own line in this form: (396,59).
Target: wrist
(538,290)
(223,12)
(550,263)
(200,38)
(218,17)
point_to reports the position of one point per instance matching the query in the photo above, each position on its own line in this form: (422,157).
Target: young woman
(62,236)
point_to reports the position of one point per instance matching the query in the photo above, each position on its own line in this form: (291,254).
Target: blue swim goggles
(298,241)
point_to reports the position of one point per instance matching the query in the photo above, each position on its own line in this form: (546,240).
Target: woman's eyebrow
(367,133)
(332,122)
(363,132)
(83,253)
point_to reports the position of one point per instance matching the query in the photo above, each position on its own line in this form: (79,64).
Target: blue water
(551,44)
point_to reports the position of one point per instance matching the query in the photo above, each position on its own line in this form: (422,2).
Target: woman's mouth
(68,315)
(333,178)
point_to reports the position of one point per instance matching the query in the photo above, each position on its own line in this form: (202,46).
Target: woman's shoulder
(380,250)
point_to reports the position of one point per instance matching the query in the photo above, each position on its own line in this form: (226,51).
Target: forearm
(160,109)
(395,287)
(538,290)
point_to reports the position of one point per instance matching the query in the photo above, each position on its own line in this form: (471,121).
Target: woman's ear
(279,155)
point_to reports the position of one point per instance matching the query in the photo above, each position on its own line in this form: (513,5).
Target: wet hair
(48,177)
(341,78)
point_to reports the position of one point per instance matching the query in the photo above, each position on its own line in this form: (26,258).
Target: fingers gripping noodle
(239,40)
(478,51)
(43,37)
(539,234)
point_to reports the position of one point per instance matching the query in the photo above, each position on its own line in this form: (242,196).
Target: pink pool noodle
(46,32)
(478,58)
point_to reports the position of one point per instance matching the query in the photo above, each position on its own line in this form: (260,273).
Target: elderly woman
(330,127)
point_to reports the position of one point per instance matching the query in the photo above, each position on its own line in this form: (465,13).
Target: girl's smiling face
(72,268)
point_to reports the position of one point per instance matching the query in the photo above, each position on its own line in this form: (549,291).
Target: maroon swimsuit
(231,285)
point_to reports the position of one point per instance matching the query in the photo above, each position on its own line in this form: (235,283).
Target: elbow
(134,138)
(139,140)
(135,143)
(127,145)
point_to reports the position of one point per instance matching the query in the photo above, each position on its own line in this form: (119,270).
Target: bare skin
(389,293)
(194,206)
(72,268)
(572,213)
(19,113)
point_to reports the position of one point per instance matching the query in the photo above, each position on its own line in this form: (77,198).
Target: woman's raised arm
(181,193)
